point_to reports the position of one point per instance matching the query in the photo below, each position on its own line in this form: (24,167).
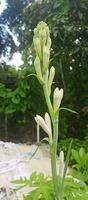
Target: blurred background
(21,96)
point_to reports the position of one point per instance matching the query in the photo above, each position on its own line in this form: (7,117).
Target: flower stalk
(42,45)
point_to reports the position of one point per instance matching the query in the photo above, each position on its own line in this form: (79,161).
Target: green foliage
(42,188)
(80,163)
(75,189)
(17,95)
(5,100)
(76,144)
(15,100)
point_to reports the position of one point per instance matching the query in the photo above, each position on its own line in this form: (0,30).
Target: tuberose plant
(45,75)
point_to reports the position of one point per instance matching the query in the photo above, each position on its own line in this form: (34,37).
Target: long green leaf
(67,109)
(66,165)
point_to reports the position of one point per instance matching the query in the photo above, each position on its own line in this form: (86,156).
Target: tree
(68,22)
(8,20)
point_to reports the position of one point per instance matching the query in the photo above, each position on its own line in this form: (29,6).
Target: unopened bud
(61,164)
(57,97)
(43,124)
(51,76)
(49,42)
(46,55)
(37,66)
(47,31)
(48,121)
(37,46)
(42,35)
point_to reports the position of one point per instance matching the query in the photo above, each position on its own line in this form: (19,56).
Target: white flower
(57,97)
(44,124)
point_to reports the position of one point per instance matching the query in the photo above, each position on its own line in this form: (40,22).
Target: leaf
(75,155)
(69,110)
(46,139)
(83,156)
(10,109)
(2,93)
(22,93)
(16,99)
(66,165)
(23,108)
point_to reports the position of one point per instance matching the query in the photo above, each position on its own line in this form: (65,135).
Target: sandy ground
(15,162)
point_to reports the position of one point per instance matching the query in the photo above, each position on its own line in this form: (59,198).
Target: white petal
(48,121)
(51,77)
(42,123)
(57,97)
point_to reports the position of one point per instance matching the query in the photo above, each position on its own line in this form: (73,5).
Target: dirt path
(15,162)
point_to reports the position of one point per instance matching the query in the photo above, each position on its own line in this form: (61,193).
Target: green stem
(55,130)
(48,102)
(53,147)
(54,172)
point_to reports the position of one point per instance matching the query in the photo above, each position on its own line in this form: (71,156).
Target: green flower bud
(57,97)
(47,30)
(42,36)
(51,77)
(46,55)
(37,46)
(38,66)
(49,42)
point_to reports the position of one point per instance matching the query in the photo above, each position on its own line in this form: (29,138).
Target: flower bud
(38,66)
(47,30)
(42,36)
(37,46)
(43,124)
(57,97)
(48,121)
(51,76)
(49,42)
(35,31)
(61,164)
(46,55)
